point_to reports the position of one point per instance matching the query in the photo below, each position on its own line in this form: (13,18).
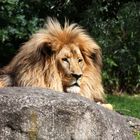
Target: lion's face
(70,64)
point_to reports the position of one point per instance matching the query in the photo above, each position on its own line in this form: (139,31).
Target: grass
(126,105)
(137,135)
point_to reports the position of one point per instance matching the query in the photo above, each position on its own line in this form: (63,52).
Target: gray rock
(134,123)
(40,114)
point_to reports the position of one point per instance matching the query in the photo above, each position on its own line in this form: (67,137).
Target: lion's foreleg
(108,106)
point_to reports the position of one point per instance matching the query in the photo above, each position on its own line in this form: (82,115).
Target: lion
(64,59)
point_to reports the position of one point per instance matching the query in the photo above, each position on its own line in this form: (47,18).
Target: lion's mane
(35,65)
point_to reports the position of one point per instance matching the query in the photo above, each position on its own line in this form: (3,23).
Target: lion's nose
(77,76)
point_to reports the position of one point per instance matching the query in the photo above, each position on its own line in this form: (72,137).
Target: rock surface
(40,114)
(133,123)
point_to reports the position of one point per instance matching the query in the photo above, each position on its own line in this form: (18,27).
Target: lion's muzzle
(77,76)
(73,89)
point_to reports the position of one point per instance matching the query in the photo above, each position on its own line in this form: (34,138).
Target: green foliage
(114,24)
(123,50)
(15,26)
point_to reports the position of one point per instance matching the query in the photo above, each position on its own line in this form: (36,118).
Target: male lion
(60,58)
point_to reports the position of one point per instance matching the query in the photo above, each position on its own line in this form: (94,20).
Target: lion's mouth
(75,84)
(74,88)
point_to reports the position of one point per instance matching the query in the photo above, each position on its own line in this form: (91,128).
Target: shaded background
(115,25)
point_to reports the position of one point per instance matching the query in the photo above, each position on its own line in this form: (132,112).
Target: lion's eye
(80,60)
(65,59)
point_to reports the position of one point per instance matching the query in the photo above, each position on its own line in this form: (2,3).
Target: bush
(16,26)
(122,53)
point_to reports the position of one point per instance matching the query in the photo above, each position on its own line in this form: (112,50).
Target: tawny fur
(34,66)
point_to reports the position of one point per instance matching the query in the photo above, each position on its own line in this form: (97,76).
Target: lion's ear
(97,57)
(46,49)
